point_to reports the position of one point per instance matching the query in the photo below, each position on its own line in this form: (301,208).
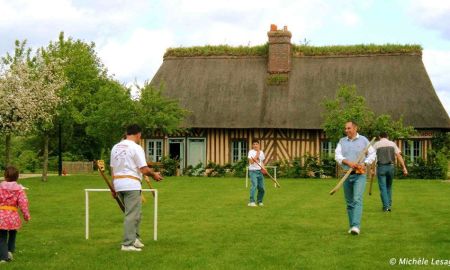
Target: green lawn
(204,223)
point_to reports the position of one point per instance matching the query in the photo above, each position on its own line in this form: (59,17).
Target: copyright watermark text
(419,261)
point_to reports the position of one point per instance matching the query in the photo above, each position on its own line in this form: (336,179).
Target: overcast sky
(131,36)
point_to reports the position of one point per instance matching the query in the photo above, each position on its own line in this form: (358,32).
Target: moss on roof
(360,49)
(218,50)
(298,50)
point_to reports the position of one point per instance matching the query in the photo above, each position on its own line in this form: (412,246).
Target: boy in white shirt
(256,155)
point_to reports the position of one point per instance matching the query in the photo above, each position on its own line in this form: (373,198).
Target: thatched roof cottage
(272,93)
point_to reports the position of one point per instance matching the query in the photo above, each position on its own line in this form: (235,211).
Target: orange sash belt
(7,207)
(126,176)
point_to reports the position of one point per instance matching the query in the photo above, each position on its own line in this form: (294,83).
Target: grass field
(204,223)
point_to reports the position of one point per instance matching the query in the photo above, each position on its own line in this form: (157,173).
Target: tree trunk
(45,165)
(8,149)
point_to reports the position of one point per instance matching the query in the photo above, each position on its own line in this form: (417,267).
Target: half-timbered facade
(233,102)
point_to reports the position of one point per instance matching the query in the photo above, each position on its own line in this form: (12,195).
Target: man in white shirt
(387,151)
(255,157)
(128,164)
(346,154)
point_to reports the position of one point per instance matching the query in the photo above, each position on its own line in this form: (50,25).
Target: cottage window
(327,148)
(154,150)
(412,149)
(238,150)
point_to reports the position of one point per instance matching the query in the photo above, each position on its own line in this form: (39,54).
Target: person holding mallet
(386,152)
(256,160)
(128,164)
(346,154)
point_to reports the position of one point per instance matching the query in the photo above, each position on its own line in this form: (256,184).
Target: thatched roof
(232,92)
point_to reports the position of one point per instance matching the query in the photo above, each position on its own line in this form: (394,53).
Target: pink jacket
(12,194)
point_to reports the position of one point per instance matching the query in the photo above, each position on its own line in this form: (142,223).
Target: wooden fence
(74,167)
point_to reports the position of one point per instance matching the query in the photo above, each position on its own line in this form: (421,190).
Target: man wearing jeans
(256,156)
(128,164)
(346,154)
(386,152)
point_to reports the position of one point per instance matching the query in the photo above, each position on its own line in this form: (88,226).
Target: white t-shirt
(254,166)
(127,157)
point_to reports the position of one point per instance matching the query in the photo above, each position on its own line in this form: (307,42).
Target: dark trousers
(7,243)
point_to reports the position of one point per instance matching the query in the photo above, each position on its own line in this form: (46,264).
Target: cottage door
(176,150)
(196,151)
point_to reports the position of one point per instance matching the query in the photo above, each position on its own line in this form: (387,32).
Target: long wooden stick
(268,174)
(360,158)
(372,174)
(101,169)
(147,179)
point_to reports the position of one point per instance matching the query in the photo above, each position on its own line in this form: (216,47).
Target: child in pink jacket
(12,198)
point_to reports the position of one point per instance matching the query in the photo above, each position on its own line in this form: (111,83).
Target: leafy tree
(111,110)
(156,112)
(348,105)
(85,74)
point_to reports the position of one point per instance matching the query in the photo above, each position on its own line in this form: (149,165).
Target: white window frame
(154,157)
(409,148)
(329,149)
(241,152)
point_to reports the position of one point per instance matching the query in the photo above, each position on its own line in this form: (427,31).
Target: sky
(132,36)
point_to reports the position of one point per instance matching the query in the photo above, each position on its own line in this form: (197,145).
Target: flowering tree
(28,94)
(48,81)
(17,104)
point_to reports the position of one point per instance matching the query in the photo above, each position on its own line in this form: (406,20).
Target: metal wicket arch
(274,175)
(155,214)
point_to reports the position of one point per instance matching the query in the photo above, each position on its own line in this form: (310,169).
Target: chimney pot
(279,50)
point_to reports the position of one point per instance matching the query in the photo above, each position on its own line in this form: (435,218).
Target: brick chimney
(279,50)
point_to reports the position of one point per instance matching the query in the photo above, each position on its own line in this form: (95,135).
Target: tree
(16,100)
(111,110)
(49,81)
(85,75)
(348,105)
(28,93)
(156,112)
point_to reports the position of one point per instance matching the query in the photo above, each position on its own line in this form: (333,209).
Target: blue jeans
(353,191)
(257,179)
(385,174)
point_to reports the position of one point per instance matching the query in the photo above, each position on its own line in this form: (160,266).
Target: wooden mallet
(265,172)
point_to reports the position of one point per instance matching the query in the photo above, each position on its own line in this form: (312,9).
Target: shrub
(198,170)
(313,167)
(214,170)
(28,161)
(328,166)
(170,166)
(239,168)
(435,167)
